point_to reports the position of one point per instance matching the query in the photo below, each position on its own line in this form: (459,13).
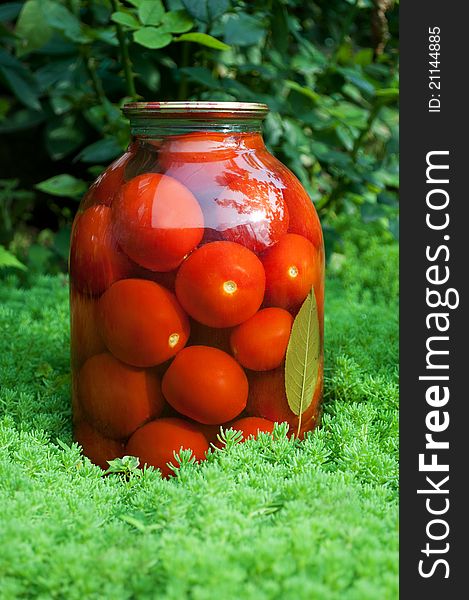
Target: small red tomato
(155,443)
(198,147)
(260,343)
(250,208)
(96,447)
(206,385)
(290,268)
(96,262)
(157,221)
(118,398)
(267,399)
(241,199)
(85,339)
(142,323)
(221,284)
(105,188)
(251,426)
(304,219)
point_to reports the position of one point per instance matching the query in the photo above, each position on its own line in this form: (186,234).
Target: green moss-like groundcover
(265,519)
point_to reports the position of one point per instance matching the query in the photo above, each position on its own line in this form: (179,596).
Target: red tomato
(260,343)
(304,219)
(267,399)
(118,398)
(105,188)
(291,268)
(198,147)
(206,385)
(242,201)
(250,208)
(96,262)
(142,323)
(156,442)
(157,221)
(84,333)
(96,447)
(221,284)
(251,426)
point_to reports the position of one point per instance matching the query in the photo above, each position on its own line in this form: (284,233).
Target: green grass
(268,519)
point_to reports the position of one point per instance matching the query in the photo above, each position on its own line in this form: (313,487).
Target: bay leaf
(302,358)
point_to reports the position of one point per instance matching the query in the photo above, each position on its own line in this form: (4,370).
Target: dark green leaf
(100,152)
(7,259)
(65,186)
(22,119)
(152,37)
(55,71)
(24,89)
(10,10)
(63,137)
(62,242)
(32,28)
(201,75)
(126,19)
(206,11)
(203,39)
(103,34)
(243,30)
(388,94)
(61,19)
(150,12)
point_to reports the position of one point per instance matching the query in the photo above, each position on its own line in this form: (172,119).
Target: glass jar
(191,257)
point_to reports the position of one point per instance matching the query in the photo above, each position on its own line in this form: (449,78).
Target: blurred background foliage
(328,70)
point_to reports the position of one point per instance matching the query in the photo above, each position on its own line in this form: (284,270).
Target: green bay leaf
(302,358)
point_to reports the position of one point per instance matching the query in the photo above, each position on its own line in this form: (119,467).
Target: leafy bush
(328,71)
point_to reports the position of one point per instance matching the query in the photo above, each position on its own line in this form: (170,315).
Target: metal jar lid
(197,110)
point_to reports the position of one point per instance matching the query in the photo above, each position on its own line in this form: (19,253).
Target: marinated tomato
(105,188)
(157,221)
(242,201)
(142,323)
(251,426)
(99,449)
(117,398)
(84,333)
(96,261)
(221,284)
(291,267)
(268,399)
(260,343)
(155,443)
(206,385)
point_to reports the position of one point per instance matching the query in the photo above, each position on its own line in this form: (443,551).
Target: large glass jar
(191,257)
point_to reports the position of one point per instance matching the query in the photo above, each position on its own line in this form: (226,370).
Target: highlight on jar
(196,290)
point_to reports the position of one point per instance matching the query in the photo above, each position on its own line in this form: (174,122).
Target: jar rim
(197,109)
